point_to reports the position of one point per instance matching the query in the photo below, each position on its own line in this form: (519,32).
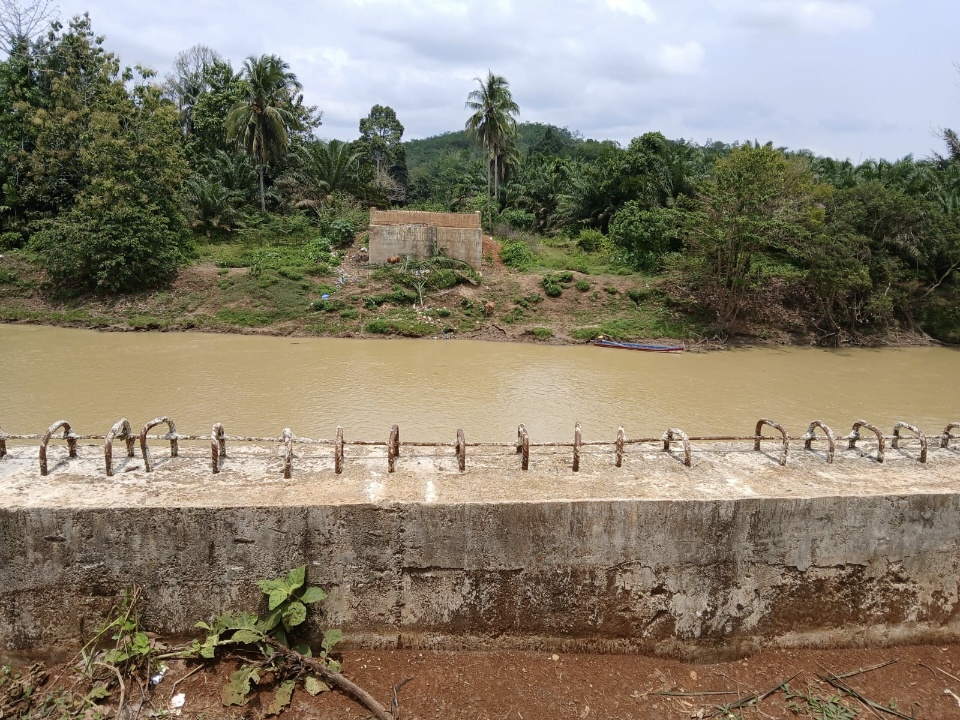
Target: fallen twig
(123,689)
(395,703)
(671,693)
(336,678)
(173,690)
(752,699)
(867,702)
(952,677)
(852,673)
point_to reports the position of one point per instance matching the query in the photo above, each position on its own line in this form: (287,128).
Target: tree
(380,135)
(317,171)
(21,24)
(190,79)
(749,225)
(262,122)
(106,168)
(493,123)
(380,143)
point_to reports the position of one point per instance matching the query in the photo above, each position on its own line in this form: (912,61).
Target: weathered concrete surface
(422,234)
(718,559)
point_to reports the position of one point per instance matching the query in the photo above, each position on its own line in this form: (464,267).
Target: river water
(259,385)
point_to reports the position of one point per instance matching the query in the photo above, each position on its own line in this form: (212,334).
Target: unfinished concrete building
(414,233)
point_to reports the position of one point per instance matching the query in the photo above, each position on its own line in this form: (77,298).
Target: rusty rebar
(577,439)
(619,446)
(171,436)
(776,426)
(946,436)
(854,436)
(338,452)
(121,429)
(218,447)
(831,438)
(67,435)
(218,439)
(287,453)
(523,447)
(677,435)
(906,426)
(393,447)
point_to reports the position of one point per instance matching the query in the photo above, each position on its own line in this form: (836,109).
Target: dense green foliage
(107,175)
(94,183)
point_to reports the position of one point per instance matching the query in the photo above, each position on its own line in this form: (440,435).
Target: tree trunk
(496,183)
(263,195)
(489,216)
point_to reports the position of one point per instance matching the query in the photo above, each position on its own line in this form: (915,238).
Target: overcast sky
(851,79)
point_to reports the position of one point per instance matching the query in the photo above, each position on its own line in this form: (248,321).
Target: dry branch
(379,711)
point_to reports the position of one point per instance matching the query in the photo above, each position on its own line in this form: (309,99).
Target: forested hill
(113,179)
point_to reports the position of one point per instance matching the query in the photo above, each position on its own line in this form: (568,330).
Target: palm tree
(318,170)
(493,123)
(262,121)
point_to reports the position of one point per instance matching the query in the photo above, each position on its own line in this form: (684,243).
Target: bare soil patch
(918,682)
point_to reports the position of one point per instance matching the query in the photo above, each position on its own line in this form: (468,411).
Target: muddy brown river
(259,385)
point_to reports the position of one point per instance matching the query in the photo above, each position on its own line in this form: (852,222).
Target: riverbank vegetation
(207,200)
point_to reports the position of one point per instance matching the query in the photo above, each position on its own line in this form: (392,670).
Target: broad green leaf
(294,614)
(334,666)
(237,691)
(312,595)
(247,636)
(281,637)
(141,644)
(97,692)
(331,638)
(268,586)
(202,626)
(303,649)
(277,597)
(245,620)
(209,648)
(272,619)
(296,577)
(314,686)
(281,698)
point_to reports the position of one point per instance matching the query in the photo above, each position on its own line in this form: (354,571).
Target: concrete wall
(685,578)
(422,234)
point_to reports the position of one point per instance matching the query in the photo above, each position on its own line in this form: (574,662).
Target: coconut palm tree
(262,121)
(493,123)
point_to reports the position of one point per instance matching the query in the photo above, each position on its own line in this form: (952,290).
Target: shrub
(340,232)
(517,255)
(582,285)
(552,289)
(518,219)
(541,332)
(441,279)
(592,241)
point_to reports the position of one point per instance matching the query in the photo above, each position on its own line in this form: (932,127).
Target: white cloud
(685,59)
(824,16)
(637,8)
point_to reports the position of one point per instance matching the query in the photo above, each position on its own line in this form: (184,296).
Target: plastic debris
(155,679)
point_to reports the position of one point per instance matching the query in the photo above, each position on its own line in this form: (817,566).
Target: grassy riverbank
(567,296)
(564,296)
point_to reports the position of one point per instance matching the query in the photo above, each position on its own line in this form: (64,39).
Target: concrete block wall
(421,234)
(689,578)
